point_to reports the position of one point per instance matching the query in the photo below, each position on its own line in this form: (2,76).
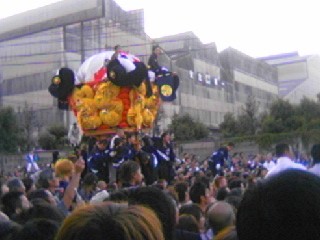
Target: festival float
(104,95)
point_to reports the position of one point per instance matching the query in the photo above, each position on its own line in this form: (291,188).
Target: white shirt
(112,141)
(315,169)
(269,165)
(284,163)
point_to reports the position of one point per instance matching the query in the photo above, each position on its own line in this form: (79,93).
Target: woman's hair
(108,221)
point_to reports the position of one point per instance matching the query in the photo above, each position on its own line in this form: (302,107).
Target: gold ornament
(166,90)
(112,74)
(56,80)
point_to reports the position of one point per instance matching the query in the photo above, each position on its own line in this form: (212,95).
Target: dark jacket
(153,62)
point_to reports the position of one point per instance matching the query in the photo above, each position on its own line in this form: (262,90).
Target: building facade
(299,76)
(212,83)
(37,43)
(248,77)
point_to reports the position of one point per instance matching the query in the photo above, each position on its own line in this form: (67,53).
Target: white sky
(255,27)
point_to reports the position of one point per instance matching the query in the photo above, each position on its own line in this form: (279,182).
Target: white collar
(284,159)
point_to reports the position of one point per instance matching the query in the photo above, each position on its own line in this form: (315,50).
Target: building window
(73,38)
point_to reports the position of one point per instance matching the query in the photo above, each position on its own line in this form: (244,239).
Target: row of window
(206,117)
(30,83)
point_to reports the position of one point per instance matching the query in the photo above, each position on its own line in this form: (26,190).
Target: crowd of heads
(242,203)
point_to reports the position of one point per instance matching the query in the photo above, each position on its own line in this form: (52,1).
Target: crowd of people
(133,187)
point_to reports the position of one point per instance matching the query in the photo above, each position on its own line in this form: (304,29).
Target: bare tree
(28,123)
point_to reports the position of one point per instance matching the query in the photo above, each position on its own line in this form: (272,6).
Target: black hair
(8,229)
(191,209)
(285,206)
(154,47)
(28,182)
(39,194)
(118,141)
(15,184)
(181,188)
(234,201)
(38,229)
(161,203)
(164,134)
(90,179)
(129,135)
(41,210)
(45,176)
(236,192)
(119,196)
(222,193)
(197,190)
(11,201)
(281,148)
(147,141)
(235,182)
(315,153)
(127,171)
(188,223)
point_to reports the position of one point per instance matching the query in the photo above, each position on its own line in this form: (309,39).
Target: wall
(12,162)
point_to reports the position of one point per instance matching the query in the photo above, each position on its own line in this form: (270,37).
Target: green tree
(318,97)
(249,117)
(247,123)
(272,125)
(282,118)
(47,141)
(309,109)
(9,131)
(283,122)
(282,109)
(28,123)
(59,132)
(200,131)
(228,126)
(185,128)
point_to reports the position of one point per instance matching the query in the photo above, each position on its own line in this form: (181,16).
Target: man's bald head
(220,215)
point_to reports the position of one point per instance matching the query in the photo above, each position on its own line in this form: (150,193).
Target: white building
(299,76)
